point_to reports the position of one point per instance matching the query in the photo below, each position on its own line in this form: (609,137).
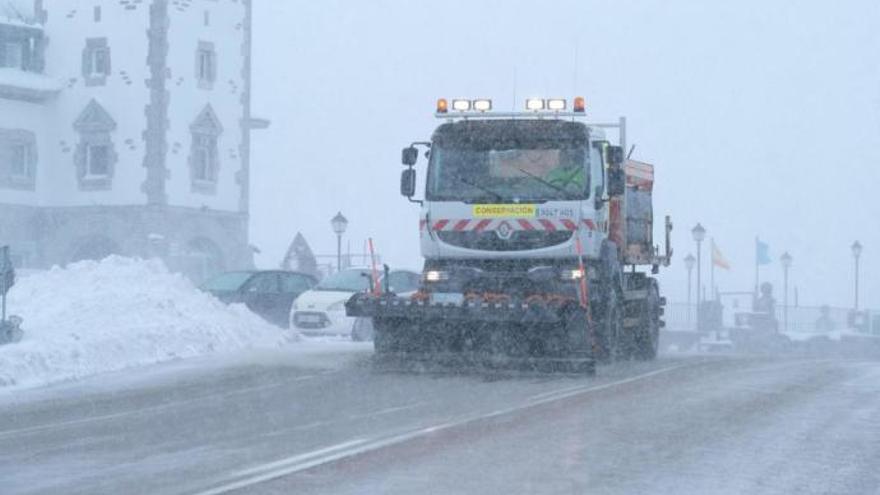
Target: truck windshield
(534,171)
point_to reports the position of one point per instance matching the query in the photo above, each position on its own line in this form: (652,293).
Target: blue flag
(762,252)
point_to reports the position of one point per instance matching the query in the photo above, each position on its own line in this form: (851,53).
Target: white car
(321,310)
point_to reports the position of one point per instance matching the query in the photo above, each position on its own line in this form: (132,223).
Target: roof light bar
(482,108)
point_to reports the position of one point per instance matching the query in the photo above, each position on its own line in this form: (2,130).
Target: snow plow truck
(537,238)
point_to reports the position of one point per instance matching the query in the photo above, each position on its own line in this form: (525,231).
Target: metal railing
(804,320)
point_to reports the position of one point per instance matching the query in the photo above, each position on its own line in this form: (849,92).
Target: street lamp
(339,223)
(857,252)
(785,259)
(689,261)
(699,233)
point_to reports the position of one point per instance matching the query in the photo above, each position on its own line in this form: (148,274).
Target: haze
(761,117)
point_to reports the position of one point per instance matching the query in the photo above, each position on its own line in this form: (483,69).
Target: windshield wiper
(546,183)
(494,194)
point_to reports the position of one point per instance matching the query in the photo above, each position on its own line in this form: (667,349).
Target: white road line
(318,424)
(337,453)
(387,411)
(570,391)
(157,407)
(296,458)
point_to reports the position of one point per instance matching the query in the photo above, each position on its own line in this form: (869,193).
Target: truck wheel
(647,334)
(362,330)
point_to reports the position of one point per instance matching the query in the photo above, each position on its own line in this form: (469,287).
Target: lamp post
(689,261)
(857,253)
(339,223)
(785,259)
(699,233)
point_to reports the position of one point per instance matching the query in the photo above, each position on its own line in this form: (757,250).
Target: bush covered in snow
(93,317)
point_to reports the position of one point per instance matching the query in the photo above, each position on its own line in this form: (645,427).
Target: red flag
(718,258)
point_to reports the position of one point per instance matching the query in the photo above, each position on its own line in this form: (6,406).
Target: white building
(125,129)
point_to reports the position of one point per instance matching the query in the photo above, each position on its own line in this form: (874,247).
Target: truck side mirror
(409,156)
(616,181)
(615,155)
(408,182)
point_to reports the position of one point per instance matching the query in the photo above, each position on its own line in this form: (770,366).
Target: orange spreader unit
(631,223)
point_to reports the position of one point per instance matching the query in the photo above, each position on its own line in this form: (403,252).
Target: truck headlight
(436,276)
(575,274)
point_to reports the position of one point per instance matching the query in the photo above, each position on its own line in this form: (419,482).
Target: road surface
(327,423)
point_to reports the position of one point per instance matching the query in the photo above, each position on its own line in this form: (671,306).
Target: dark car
(267,293)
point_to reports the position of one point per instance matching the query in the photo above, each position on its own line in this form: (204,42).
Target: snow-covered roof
(17,12)
(19,84)
(28,80)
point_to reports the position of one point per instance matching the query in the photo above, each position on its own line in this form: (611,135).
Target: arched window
(95,156)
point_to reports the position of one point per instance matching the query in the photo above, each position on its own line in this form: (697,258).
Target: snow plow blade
(418,335)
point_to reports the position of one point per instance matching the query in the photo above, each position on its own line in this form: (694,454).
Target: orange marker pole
(585,294)
(377,291)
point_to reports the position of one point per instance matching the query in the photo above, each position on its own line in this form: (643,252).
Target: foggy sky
(762,118)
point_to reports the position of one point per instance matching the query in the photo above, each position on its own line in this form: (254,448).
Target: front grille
(521,240)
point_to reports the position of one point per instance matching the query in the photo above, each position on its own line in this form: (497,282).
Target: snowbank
(94,317)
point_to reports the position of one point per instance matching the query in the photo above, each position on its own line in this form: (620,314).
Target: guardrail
(813,320)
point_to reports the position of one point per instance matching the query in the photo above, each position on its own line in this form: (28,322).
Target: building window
(21,47)
(12,55)
(204,160)
(206,65)
(96,62)
(97,161)
(18,159)
(95,156)
(204,157)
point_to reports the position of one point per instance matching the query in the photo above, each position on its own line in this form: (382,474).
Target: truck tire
(647,334)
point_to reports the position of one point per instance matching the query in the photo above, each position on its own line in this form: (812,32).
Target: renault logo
(504,231)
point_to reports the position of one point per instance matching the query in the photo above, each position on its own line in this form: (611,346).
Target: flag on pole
(762,252)
(718,259)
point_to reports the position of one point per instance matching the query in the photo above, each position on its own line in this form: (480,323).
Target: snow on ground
(96,317)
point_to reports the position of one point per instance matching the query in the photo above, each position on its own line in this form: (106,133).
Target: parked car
(321,310)
(269,294)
